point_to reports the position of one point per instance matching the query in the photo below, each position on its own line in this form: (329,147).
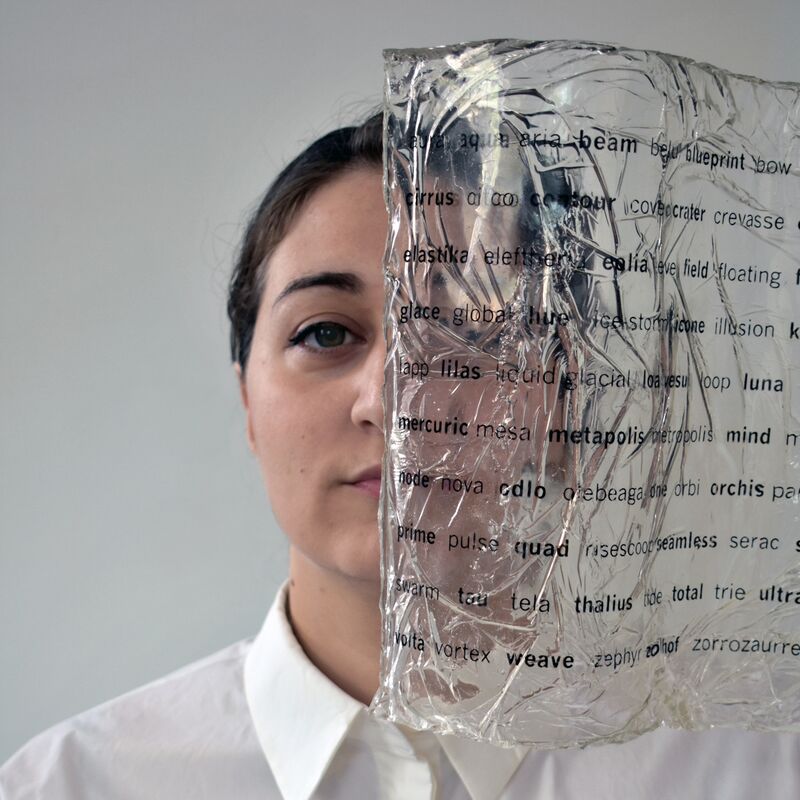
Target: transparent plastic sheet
(592,477)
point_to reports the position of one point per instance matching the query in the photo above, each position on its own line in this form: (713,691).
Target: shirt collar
(297,709)
(484,768)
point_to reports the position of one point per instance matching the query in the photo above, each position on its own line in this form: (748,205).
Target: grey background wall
(135,534)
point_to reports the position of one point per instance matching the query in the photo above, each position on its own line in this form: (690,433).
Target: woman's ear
(251,441)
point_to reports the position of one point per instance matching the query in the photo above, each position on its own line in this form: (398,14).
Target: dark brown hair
(319,163)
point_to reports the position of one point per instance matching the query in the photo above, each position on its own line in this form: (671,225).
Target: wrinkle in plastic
(590,506)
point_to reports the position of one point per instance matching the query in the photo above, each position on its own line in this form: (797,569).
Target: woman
(285,715)
(306,307)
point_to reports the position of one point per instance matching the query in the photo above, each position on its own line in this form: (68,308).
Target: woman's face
(313,383)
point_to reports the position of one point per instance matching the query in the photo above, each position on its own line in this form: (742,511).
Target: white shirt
(259,720)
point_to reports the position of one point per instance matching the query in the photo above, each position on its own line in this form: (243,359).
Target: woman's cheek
(289,436)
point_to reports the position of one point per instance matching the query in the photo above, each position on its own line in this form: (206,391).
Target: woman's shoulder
(174,737)
(668,762)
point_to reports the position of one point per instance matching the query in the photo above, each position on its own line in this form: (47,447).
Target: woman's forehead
(342,228)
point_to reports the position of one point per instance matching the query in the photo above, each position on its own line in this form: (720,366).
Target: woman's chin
(363,562)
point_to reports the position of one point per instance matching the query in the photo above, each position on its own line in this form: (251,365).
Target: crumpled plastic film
(592,477)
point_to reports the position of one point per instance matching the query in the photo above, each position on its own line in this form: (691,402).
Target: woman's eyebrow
(345,281)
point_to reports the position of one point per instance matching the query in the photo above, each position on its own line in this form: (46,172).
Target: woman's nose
(368,405)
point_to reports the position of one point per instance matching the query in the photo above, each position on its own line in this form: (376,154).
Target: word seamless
(591,501)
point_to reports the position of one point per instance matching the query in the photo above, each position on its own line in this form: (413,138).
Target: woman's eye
(322,336)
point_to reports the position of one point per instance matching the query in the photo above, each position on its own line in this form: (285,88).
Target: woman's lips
(370,485)
(368,480)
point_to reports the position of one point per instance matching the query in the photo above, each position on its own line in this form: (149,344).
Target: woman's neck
(337,621)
